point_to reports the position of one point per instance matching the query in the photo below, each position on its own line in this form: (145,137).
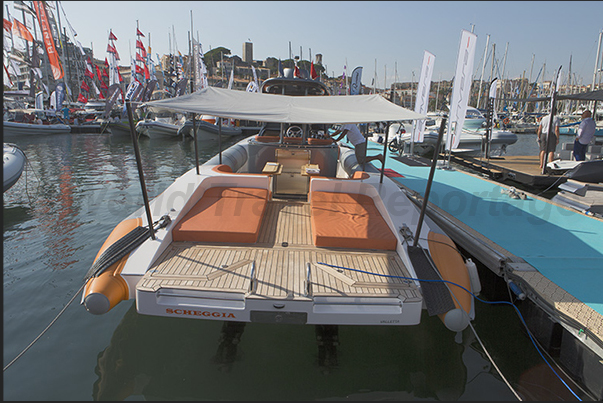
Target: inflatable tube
(452,268)
(14,163)
(235,157)
(109,288)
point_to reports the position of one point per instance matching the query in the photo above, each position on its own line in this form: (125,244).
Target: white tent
(286,109)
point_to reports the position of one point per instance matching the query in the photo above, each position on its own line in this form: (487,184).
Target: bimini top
(256,106)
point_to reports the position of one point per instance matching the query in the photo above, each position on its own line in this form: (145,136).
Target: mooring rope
(163,221)
(46,329)
(477,298)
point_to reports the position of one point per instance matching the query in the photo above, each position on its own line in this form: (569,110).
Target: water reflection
(169,358)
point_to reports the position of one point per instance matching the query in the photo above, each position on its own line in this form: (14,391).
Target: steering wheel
(294,131)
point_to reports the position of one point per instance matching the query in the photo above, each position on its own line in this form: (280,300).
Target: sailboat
(284,227)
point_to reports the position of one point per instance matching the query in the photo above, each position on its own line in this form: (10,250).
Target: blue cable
(474,296)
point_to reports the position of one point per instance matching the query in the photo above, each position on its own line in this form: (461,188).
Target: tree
(212,57)
(272,64)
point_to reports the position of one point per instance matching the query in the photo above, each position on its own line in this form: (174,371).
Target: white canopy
(286,109)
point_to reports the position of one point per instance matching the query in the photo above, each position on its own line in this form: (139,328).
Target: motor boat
(160,126)
(473,140)
(14,163)
(284,227)
(208,129)
(22,122)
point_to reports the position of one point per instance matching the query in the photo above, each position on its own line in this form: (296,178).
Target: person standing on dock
(548,145)
(357,139)
(584,135)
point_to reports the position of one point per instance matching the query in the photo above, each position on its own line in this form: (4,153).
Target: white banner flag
(492,95)
(356,84)
(422,101)
(460,88)
(231,79)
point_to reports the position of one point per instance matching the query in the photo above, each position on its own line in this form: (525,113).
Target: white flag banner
(255,77)
(492,95)
(422,101)
(356,84)
(460,88)
(39,100)
(231,79)
(53,101)
(252,87)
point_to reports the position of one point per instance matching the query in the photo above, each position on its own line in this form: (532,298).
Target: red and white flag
(139,33)
(112,36)
(111,49)
(89,72)
(21,31)
(313,71)
(53,57)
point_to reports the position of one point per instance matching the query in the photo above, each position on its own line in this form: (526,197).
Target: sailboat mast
(502,77)
(597,62)
(479,93)
(375,79)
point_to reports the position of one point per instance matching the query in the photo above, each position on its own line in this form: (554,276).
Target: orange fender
(452,268)
(102,293)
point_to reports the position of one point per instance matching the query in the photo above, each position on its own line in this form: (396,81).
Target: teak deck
(277,265)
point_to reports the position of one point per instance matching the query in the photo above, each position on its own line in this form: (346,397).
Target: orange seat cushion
(320,142)
(292,140)
(349,220)
(268,139)
(224,214)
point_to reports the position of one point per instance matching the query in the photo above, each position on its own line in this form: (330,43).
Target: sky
(391,35)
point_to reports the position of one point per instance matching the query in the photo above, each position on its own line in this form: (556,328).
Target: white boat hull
(293,301)
(28,129)
(471,142)
(14,163)
(157,129)
(208,131)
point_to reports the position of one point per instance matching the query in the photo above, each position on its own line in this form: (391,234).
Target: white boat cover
(261,107)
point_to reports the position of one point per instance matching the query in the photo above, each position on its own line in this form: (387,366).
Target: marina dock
(552,252)
(523,169)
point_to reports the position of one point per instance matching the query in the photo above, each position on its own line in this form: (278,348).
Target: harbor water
(74,191)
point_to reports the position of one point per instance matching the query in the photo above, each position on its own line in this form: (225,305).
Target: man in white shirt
(357,139)
(585,134)
(550,145)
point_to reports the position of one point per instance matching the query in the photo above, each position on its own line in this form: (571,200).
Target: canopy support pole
(140,172)
(384,151)
(195,140)
(220,137)
(434,163)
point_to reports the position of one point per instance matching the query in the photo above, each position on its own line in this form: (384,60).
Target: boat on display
(284,227)
(208,129)
(14,163)
(119,127)
(163,126)
(583,171)
(22,123)
(472,142)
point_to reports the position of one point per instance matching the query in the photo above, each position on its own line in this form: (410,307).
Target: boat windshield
(473,114)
